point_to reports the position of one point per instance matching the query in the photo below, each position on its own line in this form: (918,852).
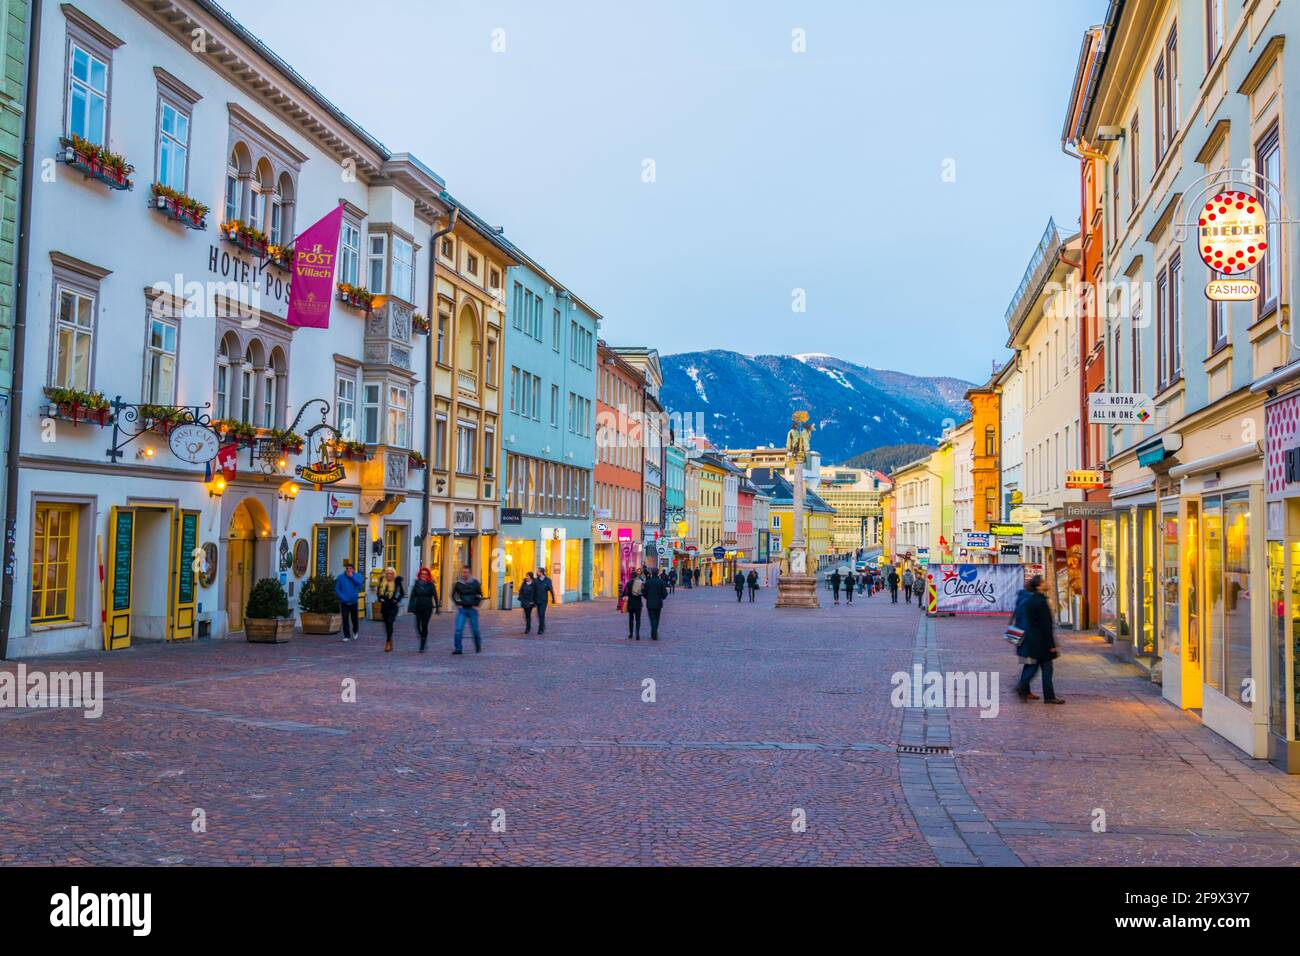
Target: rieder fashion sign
(1232,232)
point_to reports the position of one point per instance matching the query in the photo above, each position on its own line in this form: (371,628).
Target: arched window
(281,230)
(467,342)
(238,168)
(272,391)
(229,346)
(262,197)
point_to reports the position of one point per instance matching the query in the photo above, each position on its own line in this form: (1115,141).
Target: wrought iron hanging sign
(324,468)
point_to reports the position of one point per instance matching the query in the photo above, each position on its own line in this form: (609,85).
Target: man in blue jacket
(348,586)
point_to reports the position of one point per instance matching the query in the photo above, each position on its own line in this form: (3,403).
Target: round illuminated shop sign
(194,443)
(1233,233)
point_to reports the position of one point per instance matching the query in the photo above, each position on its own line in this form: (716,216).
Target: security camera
(1108,134)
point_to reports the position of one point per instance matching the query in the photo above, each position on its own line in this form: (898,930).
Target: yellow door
(184,596)
(117,578)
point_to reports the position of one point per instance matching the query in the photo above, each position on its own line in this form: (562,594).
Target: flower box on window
(289,443)
(177,206)
(281,257)
(96,162)
(246,237)
(420,324)
(163,418)
(350,450)
(415,460)
(233,430)
(74,405)
(356,296)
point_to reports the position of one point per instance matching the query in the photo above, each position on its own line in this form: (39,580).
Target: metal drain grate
(923,751)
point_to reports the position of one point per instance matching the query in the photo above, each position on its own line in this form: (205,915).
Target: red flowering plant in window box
(233,430)
(290,443)
(97,162)
(420,324)
(415,460)
(74,405)
(356,296)
(246,237)
(350,450)
(184,209)
(163,418)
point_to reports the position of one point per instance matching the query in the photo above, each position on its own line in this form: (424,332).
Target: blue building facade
(548,432)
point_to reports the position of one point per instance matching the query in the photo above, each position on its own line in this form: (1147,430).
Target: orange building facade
(986,461)
(616,532)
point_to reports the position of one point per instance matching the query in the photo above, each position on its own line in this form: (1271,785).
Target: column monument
(798,588)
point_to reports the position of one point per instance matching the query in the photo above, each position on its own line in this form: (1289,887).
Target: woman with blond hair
(390,592)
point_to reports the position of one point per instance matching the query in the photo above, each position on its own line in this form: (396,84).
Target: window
(1268,164)
(370,400)
(160,363)
(440,442)
(234,192)
(466,450)
(268,397)
(345,407)
(393,549)
(87,95)
(489,450)
(399,403)
(555,407)
(990,440)
(246,389)
(514,388)
(1135,330)
(471,263)
(444,323)
(173,145)
(555,330)
(403,269)
(1218,324)
(74,335)
(494,278)
(1134,163)
(376,254)
(517,309)
(1162,342)
(537,318)
(490,364)
(1213,30)
(1165,84)
(445,249)
(1174,320)
(350,253)
(54,563)
(223,383)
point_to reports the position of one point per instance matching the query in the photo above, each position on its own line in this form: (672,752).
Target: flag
(311,290)
(227,456)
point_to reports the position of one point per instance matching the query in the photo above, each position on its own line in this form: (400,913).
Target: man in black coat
(545,593)
(893,586)
(1038,648)
(655,592)
(738,582)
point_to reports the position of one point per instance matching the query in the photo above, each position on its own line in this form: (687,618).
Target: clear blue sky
(775,170)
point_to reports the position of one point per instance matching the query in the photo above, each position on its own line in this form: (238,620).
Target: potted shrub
(75,405)
(267,619)
(182,208)
(319,606)
(281,257)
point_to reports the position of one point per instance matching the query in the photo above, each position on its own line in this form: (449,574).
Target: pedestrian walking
(389,591)
(697,577)
(467,595)
(671,581)
(423,600)
(545,596)
(907,585)
(918,585)
(835,584)
(893,586)
(528,599)
(752,580)
(631,602)
(850,584)
(348,587)
(738,582)
(1033,615)
(655,593)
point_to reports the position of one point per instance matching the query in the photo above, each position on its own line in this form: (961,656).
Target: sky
(703,184)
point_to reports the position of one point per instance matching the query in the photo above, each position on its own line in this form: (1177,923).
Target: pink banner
(311,291)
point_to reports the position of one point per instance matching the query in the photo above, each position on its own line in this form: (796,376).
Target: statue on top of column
(798,440)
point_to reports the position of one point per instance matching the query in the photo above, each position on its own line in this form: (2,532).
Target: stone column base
(797,590)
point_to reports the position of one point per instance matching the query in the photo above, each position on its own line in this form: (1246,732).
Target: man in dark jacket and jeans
(1034,616)
(545,594)
(655,592)
(467,594)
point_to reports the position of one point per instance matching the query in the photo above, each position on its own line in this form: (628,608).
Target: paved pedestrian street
(767,737)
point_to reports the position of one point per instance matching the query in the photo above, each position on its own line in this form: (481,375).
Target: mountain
(889,457)
(743,401)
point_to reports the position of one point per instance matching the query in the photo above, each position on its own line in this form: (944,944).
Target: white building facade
(177,319)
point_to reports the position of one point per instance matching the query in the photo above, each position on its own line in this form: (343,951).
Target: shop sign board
(463,519)
(1085,479)
(340,506)
(512,516)
(977,588)
(1120,408)
(193,443)
(1233,228)
(1232,290)
(1007,530)
(977,539)
(1087,509)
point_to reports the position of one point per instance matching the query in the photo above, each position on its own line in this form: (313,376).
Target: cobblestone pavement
(760,719)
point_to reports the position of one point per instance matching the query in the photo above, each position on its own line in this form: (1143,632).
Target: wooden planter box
(270,631)
(320,623)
